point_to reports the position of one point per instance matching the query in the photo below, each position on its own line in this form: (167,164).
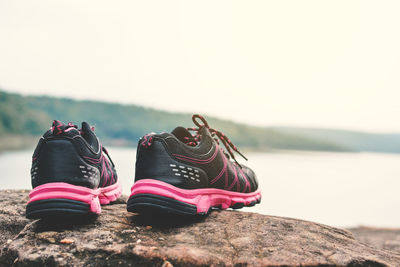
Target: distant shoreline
(10,143)
(23,142)
(17,142)
(31,115)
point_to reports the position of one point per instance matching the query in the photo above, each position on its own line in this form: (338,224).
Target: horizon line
(180,112)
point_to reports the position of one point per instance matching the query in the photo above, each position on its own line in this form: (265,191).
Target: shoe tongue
(204,131)
(181,132)
(89,136)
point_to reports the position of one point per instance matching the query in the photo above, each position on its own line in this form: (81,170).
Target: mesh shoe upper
(68,154)
(193,161)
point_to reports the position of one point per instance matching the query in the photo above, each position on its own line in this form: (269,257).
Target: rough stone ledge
(224,238)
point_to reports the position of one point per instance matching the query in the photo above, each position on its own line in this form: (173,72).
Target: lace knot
(201,122)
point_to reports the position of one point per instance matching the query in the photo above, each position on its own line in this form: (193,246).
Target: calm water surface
(340,189)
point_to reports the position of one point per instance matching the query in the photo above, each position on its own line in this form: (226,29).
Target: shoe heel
(155,204)
(62,199)
(110,193)
(151,196)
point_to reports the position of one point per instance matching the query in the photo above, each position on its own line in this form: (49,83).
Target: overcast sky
(316,63)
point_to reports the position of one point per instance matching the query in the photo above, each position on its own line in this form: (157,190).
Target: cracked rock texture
(12,213)
(224,238)
(388,239)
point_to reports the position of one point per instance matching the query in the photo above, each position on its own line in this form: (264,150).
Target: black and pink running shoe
(185,174)
(72,173)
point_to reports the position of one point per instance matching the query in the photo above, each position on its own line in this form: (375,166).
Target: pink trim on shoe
(67,191)
(93,197)
(110,193)
(198,161)
(203,198)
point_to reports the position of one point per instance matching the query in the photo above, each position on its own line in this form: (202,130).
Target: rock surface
(388,239)
(12,213)
(224,238)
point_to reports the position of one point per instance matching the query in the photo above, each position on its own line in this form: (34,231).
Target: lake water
(339,189)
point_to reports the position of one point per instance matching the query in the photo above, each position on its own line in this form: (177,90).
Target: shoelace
(214,133)
(108,156)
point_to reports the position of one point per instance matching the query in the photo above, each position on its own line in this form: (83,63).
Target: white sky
(297,63)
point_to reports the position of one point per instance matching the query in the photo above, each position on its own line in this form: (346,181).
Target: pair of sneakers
(176,173)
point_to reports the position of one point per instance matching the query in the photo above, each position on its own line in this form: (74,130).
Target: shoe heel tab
(45,140)
(59,129)
(59,160)
(146,140)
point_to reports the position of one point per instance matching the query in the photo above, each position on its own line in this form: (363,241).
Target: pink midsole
(110,193)
(93,197)
(202,198)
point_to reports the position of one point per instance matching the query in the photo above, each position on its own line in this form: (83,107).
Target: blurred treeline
(116,124)
(125,124)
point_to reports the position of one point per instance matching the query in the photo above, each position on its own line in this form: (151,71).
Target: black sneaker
(185,174)
(72,173)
